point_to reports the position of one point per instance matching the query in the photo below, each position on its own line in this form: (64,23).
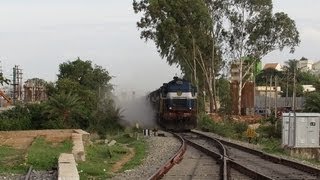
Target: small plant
(251,134)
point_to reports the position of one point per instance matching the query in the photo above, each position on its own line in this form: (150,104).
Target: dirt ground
(117,166)
(23,139)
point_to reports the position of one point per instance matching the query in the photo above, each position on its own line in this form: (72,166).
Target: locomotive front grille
(179,103)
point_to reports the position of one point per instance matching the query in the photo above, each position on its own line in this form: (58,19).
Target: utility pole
(275,96)
(294,91)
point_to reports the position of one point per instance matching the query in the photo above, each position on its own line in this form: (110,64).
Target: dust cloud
(136,110)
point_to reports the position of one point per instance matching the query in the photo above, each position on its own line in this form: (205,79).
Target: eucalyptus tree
(183,34)
(255,31)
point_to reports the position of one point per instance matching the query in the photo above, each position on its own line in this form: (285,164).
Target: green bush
(226,128)
(17,118)
(270,130)
(271,145)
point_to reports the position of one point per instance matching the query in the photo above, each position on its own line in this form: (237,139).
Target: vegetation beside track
(268,133)
(268,137)
(100,158)
(42,155)
(12,160)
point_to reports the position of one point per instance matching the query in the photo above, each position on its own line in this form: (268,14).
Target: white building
(305,64)
(316,67)
(308,88)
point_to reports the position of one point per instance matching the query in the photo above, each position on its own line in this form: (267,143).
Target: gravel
(160,150)
(35,175)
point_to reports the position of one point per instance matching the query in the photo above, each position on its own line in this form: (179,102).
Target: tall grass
(227,128)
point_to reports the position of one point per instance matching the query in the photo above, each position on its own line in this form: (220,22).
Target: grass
(140,149)
(272,146)
(44,155)
(12,160)
(100,158)
(41,155)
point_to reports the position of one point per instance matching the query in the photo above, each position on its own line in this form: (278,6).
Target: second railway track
(245,163)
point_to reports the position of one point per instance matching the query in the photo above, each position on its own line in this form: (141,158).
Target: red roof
(270,66)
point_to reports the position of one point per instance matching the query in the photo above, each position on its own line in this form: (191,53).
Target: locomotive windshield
(183,87)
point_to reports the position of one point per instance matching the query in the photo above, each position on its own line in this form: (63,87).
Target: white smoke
(136,110)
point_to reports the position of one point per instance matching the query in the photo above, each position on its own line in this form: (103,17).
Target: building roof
(271,66)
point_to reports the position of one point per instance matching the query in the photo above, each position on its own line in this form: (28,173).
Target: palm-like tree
(64,106)
(291,70)
(313,102)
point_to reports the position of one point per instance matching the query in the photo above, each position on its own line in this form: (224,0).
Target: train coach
(175,104)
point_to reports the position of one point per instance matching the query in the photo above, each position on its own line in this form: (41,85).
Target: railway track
(239,162)
(209,157)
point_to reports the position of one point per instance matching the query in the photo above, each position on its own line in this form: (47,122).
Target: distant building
(235,70)
(316,67)
(35,90)
(308,88)
(276,66)
(305,64)
(267,91)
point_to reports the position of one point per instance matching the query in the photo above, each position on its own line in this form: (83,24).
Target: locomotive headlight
(190,108)
(170,108)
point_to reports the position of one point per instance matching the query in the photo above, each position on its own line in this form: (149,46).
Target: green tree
(184,33)
(224,95)
(64,106)
(312,103)
(255,31)
(89,82)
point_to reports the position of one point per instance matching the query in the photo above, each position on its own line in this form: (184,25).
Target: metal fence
(262,102)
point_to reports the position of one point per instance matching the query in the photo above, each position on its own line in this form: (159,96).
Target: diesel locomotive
(175,104)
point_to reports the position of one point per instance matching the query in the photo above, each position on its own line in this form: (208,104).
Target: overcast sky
(38,35)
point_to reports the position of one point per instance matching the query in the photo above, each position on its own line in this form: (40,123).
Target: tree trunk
(240,87)
(210,90)
(213,72)
(266,97)
(275,102)
(269,105)
(287,92)
(294,92)
(275,97)
(195,71)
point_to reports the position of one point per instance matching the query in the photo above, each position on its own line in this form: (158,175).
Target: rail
(28,174)
(172,161)
(222,156)
(278,160)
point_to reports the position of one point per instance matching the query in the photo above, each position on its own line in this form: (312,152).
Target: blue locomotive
(175,104)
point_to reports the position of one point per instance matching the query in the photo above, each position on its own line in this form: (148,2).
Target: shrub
(270,130)
(227,128)
(17,118)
